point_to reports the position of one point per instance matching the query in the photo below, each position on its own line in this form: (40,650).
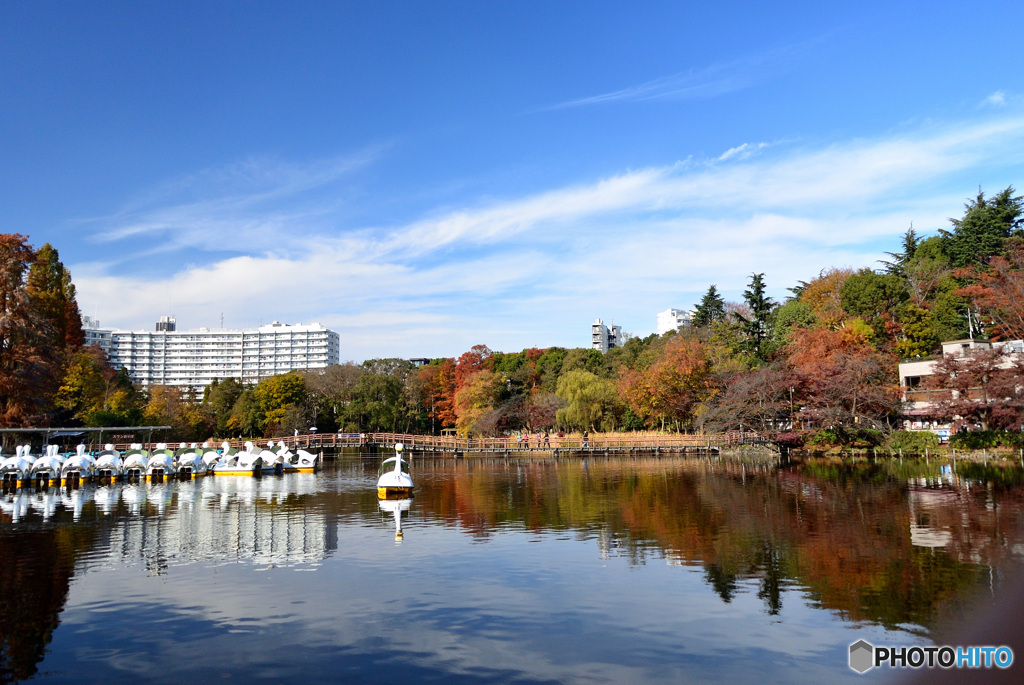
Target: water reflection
(898,546)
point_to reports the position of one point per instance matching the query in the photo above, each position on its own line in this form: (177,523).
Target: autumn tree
(478,357)
(437,385)
(329,394)
(998,293)
(843,380)
(671,389)
(177,408)
(824,296)
(28,356)
(476,401)
(94,393)
(49,284)
(219,399)
(985,388)
(760,399)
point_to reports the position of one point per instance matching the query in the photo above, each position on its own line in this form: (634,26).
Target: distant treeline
(823,359)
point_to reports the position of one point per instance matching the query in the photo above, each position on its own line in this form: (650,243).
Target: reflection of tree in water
(723,582)
(770,591)
(841,533)
(35,573)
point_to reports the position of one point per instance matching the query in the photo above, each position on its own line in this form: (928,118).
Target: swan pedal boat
(46,470)
(16,471)
(109,465)
(78,470)
(295,462)
(245,463)
(393,480)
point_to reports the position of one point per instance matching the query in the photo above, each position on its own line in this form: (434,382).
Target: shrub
(789,439)
(826,437)
(977,440)
(846,437)
(912,442)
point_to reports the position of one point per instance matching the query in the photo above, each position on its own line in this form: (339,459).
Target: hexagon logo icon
(862,656)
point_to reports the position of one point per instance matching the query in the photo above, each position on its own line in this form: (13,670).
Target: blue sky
(424,177)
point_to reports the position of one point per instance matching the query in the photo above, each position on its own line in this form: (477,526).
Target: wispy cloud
(741,151)
(253,205)
(996,99)
(706,82)
(534,270)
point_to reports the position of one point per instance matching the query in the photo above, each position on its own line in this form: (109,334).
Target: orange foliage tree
(671,389)
(29,355)
(824,296)
(843,380)
(438,393)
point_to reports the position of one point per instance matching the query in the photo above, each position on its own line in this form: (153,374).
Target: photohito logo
(865,656)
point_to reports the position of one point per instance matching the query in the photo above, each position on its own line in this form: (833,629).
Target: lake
(597,570)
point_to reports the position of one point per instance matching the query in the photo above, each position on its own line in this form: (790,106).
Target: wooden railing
(451,443)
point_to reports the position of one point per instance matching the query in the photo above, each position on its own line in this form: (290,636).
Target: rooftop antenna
(222,321)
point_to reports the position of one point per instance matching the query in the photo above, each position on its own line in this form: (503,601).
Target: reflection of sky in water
(288,581)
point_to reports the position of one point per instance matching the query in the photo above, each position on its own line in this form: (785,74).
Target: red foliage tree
(842,379)
(998,293)
(28,355)
(986,389)
(470,362)
(438,387)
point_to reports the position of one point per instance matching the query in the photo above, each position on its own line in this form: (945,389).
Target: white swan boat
(273,462)
(109,465)
(393,479)
(295,462)
(16,471)
(136,461)
(188,462)
(211,456)
(248,462)
(46,469)
(160,466)
(78,469)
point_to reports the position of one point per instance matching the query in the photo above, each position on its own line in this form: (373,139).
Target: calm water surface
(596,571)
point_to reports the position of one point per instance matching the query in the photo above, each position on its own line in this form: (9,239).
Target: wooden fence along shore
(600,443)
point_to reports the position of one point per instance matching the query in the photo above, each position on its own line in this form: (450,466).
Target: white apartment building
(197,358)
(671,319)
(604,338)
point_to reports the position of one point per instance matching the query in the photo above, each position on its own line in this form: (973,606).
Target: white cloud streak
(703,83)
(536,270)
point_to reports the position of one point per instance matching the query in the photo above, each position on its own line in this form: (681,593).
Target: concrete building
(671,319)
(94,335)
(197,358)
(604,338)
(917,401)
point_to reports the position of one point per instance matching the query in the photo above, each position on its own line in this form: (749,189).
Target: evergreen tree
(984,229)
(710,309)
(897,266)
(756,328)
